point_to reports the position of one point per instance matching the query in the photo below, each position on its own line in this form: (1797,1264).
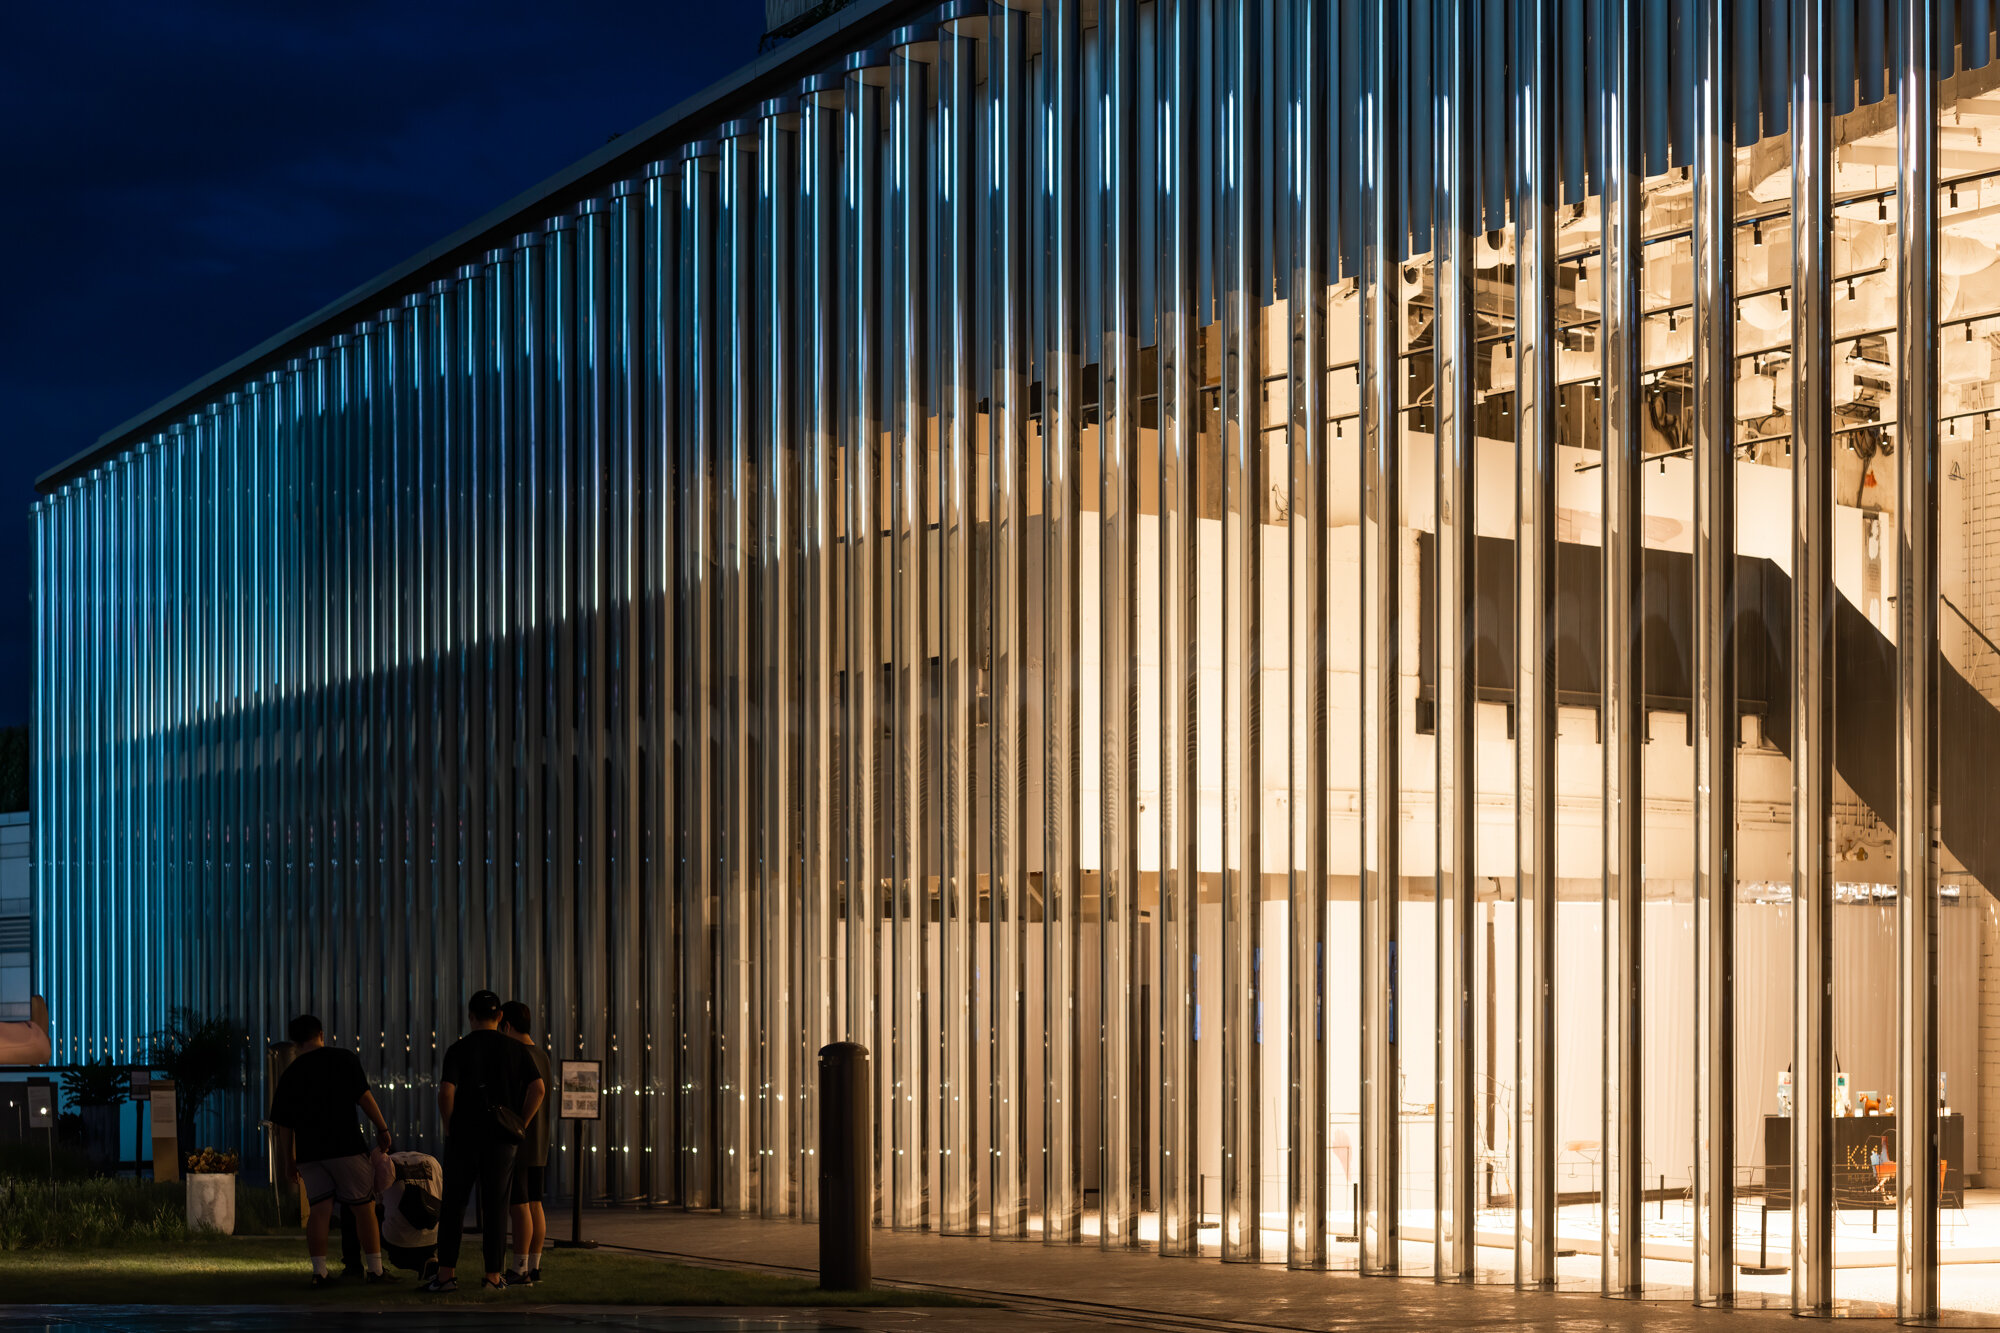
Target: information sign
(581,1084)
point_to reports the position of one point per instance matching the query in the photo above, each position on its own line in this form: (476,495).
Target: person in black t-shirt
(485,1074)
(320,1145)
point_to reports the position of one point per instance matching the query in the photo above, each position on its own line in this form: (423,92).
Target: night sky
(184,180)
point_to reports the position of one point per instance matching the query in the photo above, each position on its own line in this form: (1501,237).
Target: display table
(1855,1137)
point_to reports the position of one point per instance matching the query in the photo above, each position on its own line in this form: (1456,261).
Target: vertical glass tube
(1007,893)
(1122,1129)
(42,831)
(1456,632)
(1307,181)
(739,956)
(659,315)
(1714,635)
(1623,709)
(591,491)
(1917,830)
(780,640)
(861,431)
(959,314)
(411,767)
(1177,139)
(530,518)
(911,822)
(1380,278)
(1240,293)
(1535,185)
(820,777)
(475,443)
(1814,603)
(345,386)
(494,341)
(695,650)
(625,813)
(563,625)
(444,827)
(1061,115)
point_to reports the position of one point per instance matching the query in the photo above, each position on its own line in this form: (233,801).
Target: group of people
(491,1094)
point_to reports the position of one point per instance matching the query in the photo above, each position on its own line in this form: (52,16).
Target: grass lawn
(272,1271)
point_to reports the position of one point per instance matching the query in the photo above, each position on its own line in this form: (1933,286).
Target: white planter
(211,1203)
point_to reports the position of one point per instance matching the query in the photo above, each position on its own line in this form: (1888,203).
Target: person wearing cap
(487,1093)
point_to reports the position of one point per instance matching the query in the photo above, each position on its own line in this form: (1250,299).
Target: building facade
(1315,620)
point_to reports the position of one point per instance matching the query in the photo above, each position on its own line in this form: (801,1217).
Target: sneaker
(384,1276)
(323,1280)
(518,1277)
(439,1286)
(492,1284)
(534,1277)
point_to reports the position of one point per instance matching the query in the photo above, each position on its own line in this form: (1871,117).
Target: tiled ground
(1086,1288)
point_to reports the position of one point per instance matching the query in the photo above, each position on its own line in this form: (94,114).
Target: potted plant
(202,1056)
(97,1089)
(211,1191)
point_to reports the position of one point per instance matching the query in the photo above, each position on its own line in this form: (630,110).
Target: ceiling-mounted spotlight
(1882,208)
(1954,194)
(1850,289)
(1672,327)
(1784,299)
(1757,232)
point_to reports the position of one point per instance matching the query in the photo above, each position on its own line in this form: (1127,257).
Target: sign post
(580,1089)
(166,1135)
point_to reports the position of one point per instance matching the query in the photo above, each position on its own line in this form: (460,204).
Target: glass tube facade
(1347,633)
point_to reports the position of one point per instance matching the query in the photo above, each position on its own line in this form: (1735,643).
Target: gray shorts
(348,1180)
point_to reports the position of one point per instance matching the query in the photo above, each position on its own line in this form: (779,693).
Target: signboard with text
(580,1084)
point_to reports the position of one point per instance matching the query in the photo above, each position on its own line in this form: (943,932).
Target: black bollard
(846,1177)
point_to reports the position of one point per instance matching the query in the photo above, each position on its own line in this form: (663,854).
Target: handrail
(1969,625)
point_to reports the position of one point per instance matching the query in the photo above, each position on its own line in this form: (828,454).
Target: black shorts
(528,1183)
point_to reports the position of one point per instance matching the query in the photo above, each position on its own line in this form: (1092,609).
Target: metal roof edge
(625,155)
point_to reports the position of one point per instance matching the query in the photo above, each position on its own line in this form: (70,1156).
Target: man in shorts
(531,1162)
(320,1144)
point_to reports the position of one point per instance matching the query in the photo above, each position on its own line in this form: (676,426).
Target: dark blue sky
(184,180)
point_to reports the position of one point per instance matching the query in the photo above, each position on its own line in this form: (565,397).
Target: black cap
(483,1005)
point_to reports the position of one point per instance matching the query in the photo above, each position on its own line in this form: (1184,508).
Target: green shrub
(43,1214)
(40,1214)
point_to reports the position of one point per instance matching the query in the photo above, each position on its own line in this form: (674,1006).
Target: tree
(202,1056)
